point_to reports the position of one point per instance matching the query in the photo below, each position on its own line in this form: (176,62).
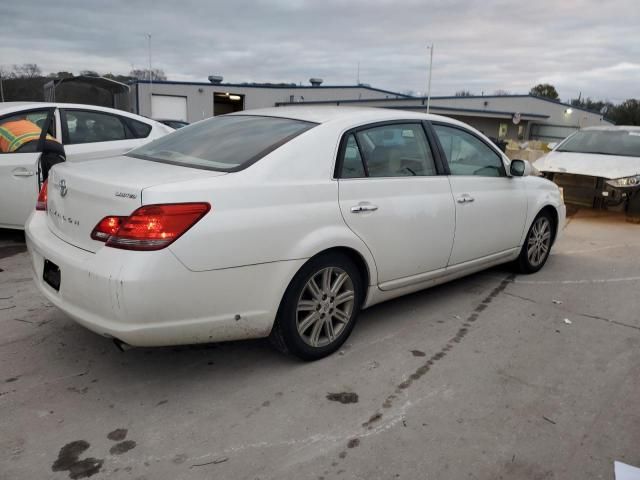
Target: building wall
(557,111)
(200,96)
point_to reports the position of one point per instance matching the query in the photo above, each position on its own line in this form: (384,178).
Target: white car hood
(605,166)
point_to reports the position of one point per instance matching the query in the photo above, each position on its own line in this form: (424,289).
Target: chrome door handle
(363,208)
(23,173)
(465,199)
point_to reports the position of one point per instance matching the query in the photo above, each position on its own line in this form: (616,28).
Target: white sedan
(87,132)
(282,222)
(598,167)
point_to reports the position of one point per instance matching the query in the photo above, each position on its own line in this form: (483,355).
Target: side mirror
(52,153)
(520,168)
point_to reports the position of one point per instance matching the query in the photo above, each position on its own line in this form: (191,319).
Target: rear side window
(395,150)
(225,143)
(90,127)
(139,129)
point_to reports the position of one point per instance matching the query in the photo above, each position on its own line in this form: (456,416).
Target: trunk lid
(82,194)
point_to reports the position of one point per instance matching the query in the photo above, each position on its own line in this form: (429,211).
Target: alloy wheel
(325,306)
(539,241)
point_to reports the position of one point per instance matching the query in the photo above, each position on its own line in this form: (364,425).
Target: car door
(18,173)
(393,195)
(491,207)
(90,134)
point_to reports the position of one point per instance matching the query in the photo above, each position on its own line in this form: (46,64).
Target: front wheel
(319,308)
(537,244)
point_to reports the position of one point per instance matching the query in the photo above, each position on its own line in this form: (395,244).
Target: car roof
(10,107)
(325,114)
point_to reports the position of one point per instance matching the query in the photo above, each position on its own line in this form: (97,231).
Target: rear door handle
(363,208)
(465,198)
(22,172)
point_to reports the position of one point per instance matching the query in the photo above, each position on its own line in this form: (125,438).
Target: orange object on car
(16,133)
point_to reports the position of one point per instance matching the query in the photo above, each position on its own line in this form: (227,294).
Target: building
(516,117)
(502,117)
(192,101)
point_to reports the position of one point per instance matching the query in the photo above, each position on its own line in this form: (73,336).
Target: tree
(601,106)
(26,70)
(500,92)
(463,93)
(545,90)
(143,74)
(89,73)
(627,113)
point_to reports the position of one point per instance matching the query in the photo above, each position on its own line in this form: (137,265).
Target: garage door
(169,107)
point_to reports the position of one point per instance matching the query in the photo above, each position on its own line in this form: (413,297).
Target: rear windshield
(605,142)
(227,143)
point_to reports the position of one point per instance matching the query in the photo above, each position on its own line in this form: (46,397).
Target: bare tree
(501,92)
(27,70)
(146,74)
(463,93)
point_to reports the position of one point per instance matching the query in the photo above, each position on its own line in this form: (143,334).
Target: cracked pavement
(480,378)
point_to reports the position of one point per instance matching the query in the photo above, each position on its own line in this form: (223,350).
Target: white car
(282,222)
(597,167)
(87,132)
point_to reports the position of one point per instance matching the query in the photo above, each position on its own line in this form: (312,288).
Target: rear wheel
(319,308)
(537,244)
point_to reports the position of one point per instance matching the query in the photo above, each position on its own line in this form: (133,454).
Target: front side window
(20,132)
(226,143)
(90,127)
(396,150)
(467,154)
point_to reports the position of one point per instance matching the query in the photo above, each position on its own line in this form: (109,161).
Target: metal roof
(268,85)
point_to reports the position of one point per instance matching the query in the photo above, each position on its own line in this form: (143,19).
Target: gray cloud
(587,46)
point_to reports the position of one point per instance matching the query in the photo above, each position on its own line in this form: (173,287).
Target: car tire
(319,308)
(537,244)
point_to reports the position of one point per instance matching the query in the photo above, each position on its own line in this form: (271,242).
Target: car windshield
(225,143)
(625,143)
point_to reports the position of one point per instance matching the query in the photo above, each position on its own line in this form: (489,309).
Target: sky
(583,47)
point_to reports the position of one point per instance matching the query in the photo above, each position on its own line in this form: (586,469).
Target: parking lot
(492,376)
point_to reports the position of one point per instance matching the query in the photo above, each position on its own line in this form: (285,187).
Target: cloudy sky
(588,46)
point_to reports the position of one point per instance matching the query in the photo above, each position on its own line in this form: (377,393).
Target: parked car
(86,132)
(282,222)
(597,167)
(175,124)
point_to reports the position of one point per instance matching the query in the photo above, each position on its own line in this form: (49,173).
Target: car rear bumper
(151,298)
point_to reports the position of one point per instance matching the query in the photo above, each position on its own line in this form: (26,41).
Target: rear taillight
(106,227)
(41,203)
(153,227)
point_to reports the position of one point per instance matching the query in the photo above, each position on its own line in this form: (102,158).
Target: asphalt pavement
(494,376)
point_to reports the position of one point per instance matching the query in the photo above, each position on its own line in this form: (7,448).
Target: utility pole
(1,88)
(358,75)
(430,70)
(148,35)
